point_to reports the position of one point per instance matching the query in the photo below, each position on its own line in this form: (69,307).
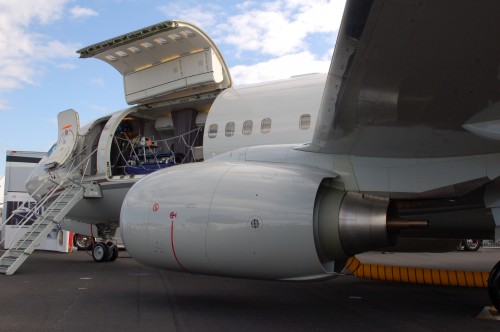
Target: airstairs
(59,197)
(42,225)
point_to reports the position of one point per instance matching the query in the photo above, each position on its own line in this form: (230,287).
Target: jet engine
(258,220)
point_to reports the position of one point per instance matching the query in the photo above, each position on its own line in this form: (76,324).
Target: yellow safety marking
(417,275)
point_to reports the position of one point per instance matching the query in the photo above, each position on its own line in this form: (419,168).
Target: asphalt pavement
(70,292)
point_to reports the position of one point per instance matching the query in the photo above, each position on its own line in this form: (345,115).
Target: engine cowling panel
(227,219)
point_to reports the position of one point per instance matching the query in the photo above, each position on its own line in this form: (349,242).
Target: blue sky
(41,74)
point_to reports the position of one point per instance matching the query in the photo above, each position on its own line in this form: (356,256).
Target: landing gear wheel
(472,244)
(113,252)
(100,252)
(83,242)
(494,286)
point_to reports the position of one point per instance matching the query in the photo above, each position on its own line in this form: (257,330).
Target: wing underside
(417,79)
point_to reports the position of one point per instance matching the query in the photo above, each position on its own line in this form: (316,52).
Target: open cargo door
(67,135)
(168,60)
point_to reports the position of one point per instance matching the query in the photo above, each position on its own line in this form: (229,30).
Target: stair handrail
(50,193)
(34,227)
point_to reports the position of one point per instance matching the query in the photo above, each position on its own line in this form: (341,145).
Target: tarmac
(70,292)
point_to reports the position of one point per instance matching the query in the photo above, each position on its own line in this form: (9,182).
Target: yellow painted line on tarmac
(417,275)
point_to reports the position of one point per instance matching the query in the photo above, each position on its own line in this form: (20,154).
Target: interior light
(199,50)
(160,41)
(134,49)
(121,53)
(169,58)
(174,36)
(111,58)
(143,67)
(147,45)
(187,33)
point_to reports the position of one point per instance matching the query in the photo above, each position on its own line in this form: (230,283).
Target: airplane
(400,140)
(165,125)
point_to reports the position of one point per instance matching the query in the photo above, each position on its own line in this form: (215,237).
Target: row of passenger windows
(265,126)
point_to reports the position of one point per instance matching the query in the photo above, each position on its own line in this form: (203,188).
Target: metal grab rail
(36,227)
(32,213)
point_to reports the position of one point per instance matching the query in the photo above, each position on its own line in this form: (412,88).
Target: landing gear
(494,286)
(100,252)
(471,244)
(105,252)
(83,242)
(113,252)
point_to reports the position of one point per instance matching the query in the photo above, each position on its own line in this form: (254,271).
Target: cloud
(22,13)
(279,68)
(66,66)
(282,27)
(204,16)
(23,49)
(82,12)
(276,39)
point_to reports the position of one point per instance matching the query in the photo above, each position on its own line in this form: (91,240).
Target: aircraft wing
(416,79)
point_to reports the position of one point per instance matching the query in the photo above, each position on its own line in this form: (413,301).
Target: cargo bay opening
(172,73)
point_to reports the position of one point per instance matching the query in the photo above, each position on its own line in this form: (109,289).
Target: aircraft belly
(101,210)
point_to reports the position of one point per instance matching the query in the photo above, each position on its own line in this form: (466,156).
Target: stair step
(12,259)
(45,222)
(8,261)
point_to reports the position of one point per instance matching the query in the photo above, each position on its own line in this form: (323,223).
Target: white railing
(32,213)
(490,244)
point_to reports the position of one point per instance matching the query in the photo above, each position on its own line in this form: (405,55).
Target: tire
(472,244)
(494,286)
(113,253)
(100,252)
(83,242)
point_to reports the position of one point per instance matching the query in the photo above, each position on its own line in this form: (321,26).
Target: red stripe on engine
(173,247)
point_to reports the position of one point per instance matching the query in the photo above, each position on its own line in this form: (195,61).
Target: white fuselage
(280,112)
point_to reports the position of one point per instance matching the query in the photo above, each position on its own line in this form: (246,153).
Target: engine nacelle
(250,220)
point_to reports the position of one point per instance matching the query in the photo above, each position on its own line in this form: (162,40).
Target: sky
(41,74)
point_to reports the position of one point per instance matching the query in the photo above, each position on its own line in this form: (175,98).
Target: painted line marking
(172,243)
(416,275)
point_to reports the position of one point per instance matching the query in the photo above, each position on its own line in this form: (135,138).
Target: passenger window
(247,127)
(265,125)
(229,129)
(212,131)
(305,121)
